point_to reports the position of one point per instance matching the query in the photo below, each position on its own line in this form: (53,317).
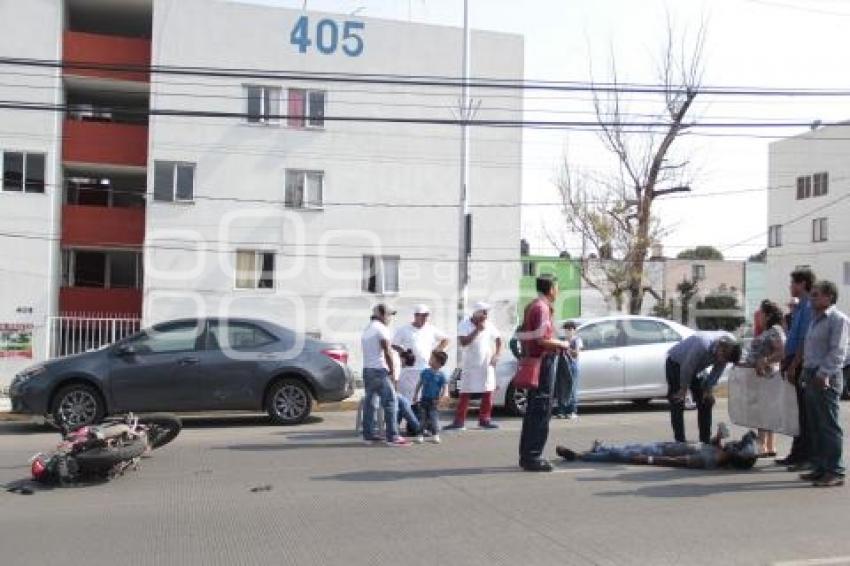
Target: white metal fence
(67,335)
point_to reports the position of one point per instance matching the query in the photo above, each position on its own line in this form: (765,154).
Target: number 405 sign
(329,36)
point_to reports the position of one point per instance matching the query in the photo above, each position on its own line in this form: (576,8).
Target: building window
(774,236)
(263,104)
(698,272)
(174,181)
(101,269)
(820,184)
(254,269)
(304,189)
(804,187)
(380,274)
(819,230)
(23,172)
(306,108)
(528,269)
(847,272)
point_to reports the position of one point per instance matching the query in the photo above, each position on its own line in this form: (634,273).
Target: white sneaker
(572,417)
(419,439)
(436,439)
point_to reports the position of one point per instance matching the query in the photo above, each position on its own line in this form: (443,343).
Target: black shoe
(536,466)
(811,476)
(799,467)
(786,461)
(566,453)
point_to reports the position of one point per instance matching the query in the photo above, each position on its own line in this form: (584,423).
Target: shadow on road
(228,421)
(292,446)
(692,490)
(400,475)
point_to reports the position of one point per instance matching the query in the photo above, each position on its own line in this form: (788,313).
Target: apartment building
(183,158)
(807,205)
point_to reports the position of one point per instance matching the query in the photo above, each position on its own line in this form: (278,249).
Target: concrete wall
(239,178)
(29,222)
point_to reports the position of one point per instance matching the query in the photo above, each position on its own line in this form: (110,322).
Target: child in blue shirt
(432,387)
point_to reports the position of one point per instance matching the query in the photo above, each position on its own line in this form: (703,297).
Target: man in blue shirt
(685,364)
(801,284)
(823,356)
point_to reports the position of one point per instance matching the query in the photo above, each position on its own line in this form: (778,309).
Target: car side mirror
(125,350)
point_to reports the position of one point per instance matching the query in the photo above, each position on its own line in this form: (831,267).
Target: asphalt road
(322,497)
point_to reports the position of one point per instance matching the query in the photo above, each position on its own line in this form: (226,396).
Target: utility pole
(464,218)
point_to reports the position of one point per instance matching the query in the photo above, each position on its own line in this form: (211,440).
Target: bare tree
(613,213)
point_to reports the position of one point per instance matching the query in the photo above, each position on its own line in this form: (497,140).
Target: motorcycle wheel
(103,458)
(162,428)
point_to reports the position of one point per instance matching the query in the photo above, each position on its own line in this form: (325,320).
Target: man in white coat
(481,348)
(420,338)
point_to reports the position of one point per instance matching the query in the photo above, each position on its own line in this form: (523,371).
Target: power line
(554,124)
(421,80)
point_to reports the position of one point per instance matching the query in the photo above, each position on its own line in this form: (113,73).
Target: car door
(155,370)
(231,362)
(646,353)
(601,362)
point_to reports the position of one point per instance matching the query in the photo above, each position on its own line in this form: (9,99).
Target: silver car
(623,359)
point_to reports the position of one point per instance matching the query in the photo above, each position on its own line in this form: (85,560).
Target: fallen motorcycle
(106,450)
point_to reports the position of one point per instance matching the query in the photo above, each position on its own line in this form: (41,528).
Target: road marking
(572,470)
(835,560)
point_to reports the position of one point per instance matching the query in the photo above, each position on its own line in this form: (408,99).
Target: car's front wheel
(516,400)
(289,402)
(77,405)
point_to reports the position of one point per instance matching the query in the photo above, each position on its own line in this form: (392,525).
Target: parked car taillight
(337,354)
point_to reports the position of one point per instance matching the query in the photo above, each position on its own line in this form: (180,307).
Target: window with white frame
(254,269)
(819,230)
(23,172)
(380,274)
(304,189)
(698,272)
(263,104)
(305,108)
(174,181)
(774,236)
(820,184)
(804,187)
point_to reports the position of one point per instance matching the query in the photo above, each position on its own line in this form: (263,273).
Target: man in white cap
(481,348)
(420,338)
(377,376)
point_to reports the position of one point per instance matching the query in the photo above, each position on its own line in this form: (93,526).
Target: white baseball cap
(421,309)
(481,306)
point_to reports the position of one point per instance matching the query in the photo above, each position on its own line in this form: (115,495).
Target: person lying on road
(740,455)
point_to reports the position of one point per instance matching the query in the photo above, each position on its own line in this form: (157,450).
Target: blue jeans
(824,427)
(376,382)
(535,423)
(429,415)
(570,404)
(405,411)
(622,454)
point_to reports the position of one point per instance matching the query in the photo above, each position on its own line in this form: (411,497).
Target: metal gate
(68,335)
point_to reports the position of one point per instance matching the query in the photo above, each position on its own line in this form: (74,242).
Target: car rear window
(239,336)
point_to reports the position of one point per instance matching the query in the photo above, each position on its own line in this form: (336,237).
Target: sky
(789,44)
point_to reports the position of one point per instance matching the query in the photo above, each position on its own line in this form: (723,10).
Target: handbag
(527,373)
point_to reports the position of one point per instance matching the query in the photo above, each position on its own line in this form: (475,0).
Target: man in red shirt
(538,341)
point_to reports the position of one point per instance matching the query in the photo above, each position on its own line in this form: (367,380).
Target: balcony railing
(106,56)
(94,301)
(99,226)
(108,143)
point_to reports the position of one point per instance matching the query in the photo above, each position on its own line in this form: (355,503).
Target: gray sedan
(190,365)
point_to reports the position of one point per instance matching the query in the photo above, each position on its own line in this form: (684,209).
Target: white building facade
(808,201)
(275,163)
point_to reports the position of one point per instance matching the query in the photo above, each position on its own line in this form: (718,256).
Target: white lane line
(832,561)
